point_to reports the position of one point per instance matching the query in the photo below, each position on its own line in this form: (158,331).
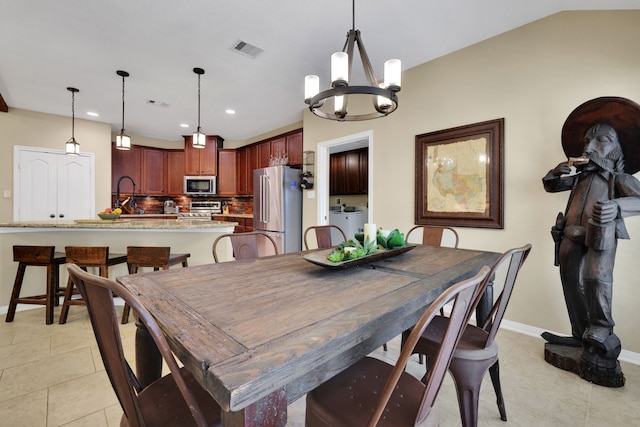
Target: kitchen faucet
(132,202)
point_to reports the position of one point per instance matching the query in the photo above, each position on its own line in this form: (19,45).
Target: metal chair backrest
(463,295)
(98,292)
(247,245)
(516,258)
(435,235)
(323,236)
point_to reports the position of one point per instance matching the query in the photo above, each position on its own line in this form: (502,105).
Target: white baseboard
(625,355)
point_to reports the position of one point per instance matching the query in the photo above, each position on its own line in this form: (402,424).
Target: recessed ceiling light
(184,125)
(92,114)
(230,111)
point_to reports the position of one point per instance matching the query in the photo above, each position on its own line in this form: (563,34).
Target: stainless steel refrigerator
(277,206)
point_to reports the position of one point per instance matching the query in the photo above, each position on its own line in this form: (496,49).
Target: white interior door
(50,185)
(37,186)
(75,189)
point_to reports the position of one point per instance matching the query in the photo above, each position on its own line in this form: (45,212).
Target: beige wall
(534,77)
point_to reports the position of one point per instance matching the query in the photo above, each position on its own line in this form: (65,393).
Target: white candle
(370,232)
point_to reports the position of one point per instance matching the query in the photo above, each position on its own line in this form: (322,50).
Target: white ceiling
(46,46)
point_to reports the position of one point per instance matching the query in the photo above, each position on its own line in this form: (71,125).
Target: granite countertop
(149,216)
(153,224)
(235,215)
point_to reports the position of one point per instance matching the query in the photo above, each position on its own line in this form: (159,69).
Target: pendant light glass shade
(72,147)
(199,139)
(382,95)
(123,141)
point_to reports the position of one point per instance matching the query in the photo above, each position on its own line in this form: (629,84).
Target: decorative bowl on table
(108,216)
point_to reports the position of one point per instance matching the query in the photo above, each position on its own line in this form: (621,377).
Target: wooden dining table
(260,334)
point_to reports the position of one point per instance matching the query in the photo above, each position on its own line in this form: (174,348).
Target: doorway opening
(325,150)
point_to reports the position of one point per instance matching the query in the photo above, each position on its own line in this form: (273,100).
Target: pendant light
(382,94)
(123,141)
(198,137)
(72,147)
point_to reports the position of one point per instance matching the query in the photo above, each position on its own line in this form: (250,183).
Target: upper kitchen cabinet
(294,147)
(289,144)
(202,161)
(259,154)
(227,159)
(242,184)
(146,166)
(126,163)
(154,180)
(264,154)
(175,172)
(348,172)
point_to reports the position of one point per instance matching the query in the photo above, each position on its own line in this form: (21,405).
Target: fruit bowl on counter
(108,216)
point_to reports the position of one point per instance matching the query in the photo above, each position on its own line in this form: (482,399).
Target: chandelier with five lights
(383,95)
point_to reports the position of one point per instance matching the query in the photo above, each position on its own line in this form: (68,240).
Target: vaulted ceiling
(46,46)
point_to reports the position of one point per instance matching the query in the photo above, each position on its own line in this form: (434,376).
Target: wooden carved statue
(601,139)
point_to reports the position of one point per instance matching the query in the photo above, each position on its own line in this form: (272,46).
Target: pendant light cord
(73,114)
(198,102)
(122,129)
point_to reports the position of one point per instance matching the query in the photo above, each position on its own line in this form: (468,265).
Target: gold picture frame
(459,176)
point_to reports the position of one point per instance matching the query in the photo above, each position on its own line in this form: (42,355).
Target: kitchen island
(183,236)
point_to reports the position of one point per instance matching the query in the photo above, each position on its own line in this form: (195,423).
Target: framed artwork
(459,176)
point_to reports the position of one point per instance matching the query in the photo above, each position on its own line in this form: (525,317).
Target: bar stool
(158,257)
(41,256)
(87,256)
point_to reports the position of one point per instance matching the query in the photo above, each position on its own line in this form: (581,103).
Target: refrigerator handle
(264,194)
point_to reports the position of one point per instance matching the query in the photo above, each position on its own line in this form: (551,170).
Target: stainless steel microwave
(200,185)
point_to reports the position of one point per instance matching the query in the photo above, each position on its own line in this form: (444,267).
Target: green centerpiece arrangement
(359,247)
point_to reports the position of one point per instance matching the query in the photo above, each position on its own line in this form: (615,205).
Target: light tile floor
(52,375)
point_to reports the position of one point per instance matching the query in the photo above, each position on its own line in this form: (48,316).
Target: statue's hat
(620,113)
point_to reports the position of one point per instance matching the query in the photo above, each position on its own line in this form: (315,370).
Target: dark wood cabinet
(227,172)
(246,162)
(252,164)
(294,148)
(126,162)
(337,174)
(175,172)
(264,154)
(154,180)
(258,155)
(202,161)
(242,164)
(348,172)
(364,171)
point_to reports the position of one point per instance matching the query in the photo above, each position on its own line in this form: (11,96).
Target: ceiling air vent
(247,49)
(157,103)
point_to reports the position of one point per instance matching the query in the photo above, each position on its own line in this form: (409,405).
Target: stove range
(202,210)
